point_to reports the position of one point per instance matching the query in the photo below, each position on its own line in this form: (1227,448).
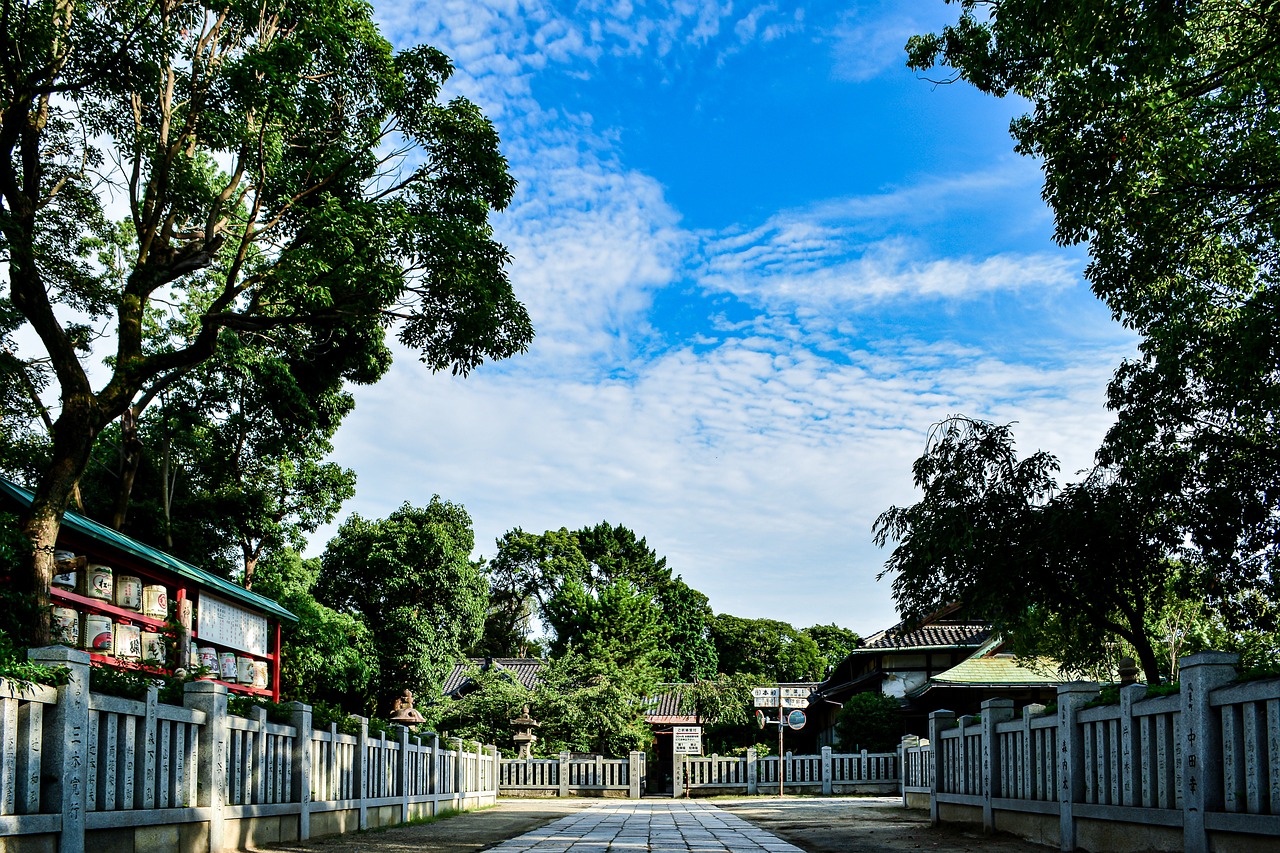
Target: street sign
(764,692)
(796,719)
(795,702)
(765,701)
(760,719)
(797,692)
(686,740)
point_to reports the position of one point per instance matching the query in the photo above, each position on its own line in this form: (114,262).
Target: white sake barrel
(128,592)
(227,668)
(153,646)
(260,676)
(209,659)
(65,580)
(98,582)
(128,642)
(97,635)
(155,600)
(244,670)
(66,626)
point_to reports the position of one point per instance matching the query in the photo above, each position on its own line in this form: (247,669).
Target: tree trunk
(131,457)
(73,436)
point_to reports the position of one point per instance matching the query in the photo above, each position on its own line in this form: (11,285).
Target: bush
(870,721)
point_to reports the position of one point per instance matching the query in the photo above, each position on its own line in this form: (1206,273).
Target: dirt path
(864,825)
(464,833)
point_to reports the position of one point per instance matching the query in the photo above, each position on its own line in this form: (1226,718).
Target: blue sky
(762,257)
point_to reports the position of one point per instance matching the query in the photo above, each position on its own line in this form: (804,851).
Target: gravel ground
(864,825)
(817,825)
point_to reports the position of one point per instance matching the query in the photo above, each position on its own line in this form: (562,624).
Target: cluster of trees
(1159,133)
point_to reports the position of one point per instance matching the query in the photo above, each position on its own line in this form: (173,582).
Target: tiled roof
(528,671)
(665,707)
(937,636)
(1001,669)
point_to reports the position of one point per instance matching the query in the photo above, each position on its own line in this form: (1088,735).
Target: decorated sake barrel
(244,670)
(65,580)
(193,656)
(227,666)
(153,646)
(129,592)
(155,600)
(98,582)
(97,635)
(260,677)
(128,642)
(66,626)
(209,659)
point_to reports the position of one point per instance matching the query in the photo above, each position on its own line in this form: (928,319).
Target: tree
(766,648)
(327,656)
(601,590)
(997,534)
(1160,138)
(870,721)
(410,579)
(283,169)
(835,643)
(593,704)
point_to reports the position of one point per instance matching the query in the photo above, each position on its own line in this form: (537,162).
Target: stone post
(403,785)
(939,722)
(677,775)
(211,767)
(433,774)
(633,774)
(459,771)
(66,754)
(300,783)
(497,770)
(564,774)
(360,784)
(993,711)
(1202,783)
(826,770)
(1071,697)
(1130,746)
(753,773)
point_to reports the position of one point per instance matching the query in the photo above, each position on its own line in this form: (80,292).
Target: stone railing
(827,773)
(1196,770)
(578,777)
(77,765)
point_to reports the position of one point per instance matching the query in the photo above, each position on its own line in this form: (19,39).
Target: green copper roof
(117,540)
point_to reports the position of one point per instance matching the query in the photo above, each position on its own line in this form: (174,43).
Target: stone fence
(703,775)
(82,771)
(1198,770)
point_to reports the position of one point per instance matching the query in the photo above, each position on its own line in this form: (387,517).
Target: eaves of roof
(115,540)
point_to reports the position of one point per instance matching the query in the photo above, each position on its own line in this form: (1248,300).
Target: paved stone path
(648,827)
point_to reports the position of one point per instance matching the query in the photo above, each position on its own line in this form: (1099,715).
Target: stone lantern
(404,713)
(524,736)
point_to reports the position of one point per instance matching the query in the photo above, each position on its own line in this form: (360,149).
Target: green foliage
(1160,143)
(997,533)
(835,643)
(485,713)
(766,648)
(870,721)
(289,178)
(410,579)
(15,668)
(603,591)
(592,704)
(328,655)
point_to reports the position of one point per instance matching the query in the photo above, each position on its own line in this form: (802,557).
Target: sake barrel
(97,633)
(260,676)
(209,659)
(155,600)
(98,582)
(228,666)
(128,592)
(65,580)
(128,642)
(244,670)
(153,646)
(66,626)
